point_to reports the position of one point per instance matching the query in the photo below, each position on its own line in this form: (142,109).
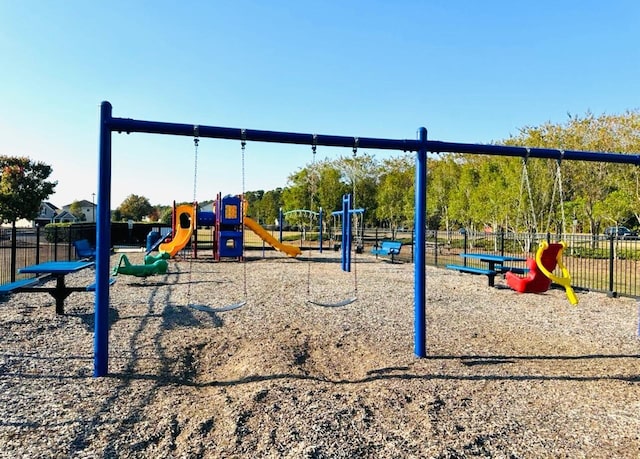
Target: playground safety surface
(508,375)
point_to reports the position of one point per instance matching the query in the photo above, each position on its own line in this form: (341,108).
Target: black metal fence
(22,247)
(596,262)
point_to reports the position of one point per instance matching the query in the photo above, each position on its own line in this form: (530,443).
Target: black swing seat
(334,305)
(205,308)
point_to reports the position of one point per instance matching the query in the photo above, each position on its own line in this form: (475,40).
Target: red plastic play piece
(535,281)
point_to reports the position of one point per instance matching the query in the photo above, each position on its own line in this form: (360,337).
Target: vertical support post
(280,222)
(103,246)
(320,217)
(420,271)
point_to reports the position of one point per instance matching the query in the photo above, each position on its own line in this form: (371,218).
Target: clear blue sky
(469,71)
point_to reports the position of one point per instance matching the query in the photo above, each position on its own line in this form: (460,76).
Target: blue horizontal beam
(435,146)
(153,127)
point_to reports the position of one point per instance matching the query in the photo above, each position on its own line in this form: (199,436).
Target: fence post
(37,244)
(502,241)
(611,293)
(435,253)
(320,217)
(55,243)
(14,251)
(464,248)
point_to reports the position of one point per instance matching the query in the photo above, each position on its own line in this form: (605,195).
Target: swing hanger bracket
(243,137)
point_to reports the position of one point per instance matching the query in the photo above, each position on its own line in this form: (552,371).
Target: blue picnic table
(495,265)
(58,270)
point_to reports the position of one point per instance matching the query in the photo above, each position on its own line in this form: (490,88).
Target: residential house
(65,217)
(86,208)
(47,212)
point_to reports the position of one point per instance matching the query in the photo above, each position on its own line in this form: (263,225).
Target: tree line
(471,191)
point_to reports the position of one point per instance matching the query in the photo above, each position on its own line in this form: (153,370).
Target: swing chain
(196,142)
(314,173)
(243,144)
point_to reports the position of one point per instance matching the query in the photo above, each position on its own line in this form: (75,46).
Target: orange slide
(254,226)
(184,229)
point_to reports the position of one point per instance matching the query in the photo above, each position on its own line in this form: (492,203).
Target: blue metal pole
(420,271)
(103,247)
(320,229)
(280,222)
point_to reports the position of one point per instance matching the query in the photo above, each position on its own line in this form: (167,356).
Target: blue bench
(490,273)
(387,248)
(84,250)
(11,286)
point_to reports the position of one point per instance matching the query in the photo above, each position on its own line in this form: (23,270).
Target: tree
(360,175)
(76,209)
(135,207)
(395,191)
(23,187)
(329,188)
(443,175)
(298,194)
(589,183)
(270,205)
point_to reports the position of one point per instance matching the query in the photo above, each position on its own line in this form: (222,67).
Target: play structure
(310,215)
(227,230)
(540,275)
(110,124)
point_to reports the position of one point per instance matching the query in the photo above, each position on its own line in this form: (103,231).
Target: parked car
(622,232)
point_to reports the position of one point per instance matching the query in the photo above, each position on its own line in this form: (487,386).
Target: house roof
(82,203)
(64,215)
(50,205)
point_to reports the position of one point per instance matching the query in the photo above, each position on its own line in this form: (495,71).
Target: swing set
(110,124)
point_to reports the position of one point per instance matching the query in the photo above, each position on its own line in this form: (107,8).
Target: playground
(507,374)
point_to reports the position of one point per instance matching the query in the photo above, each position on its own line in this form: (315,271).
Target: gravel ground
(508,375)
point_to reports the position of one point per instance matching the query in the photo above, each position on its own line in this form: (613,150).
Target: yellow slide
(184,229)
(254,226)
